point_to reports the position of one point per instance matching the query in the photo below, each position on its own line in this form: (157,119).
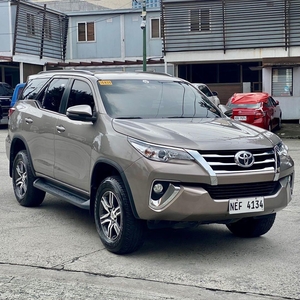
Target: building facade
(233,46)
(236,46)
(31,36)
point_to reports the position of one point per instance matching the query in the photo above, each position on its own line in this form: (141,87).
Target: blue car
(17,93)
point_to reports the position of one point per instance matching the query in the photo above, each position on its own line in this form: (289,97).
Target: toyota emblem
(244,159)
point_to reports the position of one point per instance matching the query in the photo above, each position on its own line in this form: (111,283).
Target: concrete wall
(5,29)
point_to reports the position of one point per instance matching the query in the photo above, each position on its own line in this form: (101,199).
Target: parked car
(6,92)
(143,150)
(258,109)
(212,96)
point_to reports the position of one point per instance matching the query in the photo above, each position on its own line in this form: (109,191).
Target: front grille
(223,161)
(241,190)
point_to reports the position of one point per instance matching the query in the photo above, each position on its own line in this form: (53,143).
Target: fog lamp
(158,188)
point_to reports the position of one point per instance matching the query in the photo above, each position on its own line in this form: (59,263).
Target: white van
(212,96)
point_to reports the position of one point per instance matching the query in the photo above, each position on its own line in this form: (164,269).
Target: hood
(198,134)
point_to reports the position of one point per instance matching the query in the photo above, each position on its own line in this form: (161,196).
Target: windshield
(6,89)
(154,99)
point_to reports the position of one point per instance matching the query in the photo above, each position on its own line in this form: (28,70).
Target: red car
(258,109)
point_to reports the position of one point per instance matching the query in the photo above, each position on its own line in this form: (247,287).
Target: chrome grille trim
(223,162)
(202,162)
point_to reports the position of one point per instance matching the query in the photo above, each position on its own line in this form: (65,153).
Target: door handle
(60,128)
(28,120)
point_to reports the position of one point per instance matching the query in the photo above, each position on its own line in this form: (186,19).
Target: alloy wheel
(21,179)
(110,215)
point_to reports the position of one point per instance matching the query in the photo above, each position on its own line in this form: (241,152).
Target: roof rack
(70,70)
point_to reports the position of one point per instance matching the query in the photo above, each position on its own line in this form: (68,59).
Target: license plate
(246,205)
(240,118)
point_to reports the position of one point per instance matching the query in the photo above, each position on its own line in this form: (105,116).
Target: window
(6,89)
(194,20)
(205,20)
(54,94)
(200,19)
(33,88)
(86,32)
(81,93)
(155,28)
(47,29)
(282,82)
(30,24)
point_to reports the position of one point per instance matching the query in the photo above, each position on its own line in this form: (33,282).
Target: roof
(105,75)
(249,98)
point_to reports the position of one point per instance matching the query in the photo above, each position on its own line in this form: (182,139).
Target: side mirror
(215,93)
(81,113)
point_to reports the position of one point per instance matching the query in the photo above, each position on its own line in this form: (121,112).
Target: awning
(281,62)
(5,58)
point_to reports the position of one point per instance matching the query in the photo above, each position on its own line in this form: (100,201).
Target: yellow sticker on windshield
(105,82)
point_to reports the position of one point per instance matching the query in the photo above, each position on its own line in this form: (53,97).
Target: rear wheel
(119,230)
(252,227)
(23,178)
(279,123)
(270,126)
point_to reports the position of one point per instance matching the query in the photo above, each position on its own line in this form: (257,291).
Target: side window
(53,94)
(81,93)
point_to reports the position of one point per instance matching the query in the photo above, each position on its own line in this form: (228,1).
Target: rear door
(39,122)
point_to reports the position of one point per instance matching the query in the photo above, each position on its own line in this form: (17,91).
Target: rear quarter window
(33,88)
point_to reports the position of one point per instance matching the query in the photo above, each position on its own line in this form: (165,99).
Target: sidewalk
(289,130)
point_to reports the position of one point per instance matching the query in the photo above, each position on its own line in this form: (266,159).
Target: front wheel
(252,227)
(119,230)
(23,178)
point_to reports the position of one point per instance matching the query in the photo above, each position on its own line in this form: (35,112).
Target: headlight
(159,153)
(282,149)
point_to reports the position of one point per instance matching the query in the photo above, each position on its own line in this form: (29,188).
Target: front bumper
(195,204)
(192,201)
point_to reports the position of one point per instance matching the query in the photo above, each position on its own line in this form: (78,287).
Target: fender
(120,171)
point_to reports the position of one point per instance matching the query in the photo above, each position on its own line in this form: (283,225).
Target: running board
(62,193)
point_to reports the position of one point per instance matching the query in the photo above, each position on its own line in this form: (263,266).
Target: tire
(23,178)
(252,227)
(270,127)
(279,123)
(118,229)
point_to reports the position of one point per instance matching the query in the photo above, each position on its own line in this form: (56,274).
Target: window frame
(48,29)
(30,24)
(200,20)
(282,85)
(158,29)
(86,32)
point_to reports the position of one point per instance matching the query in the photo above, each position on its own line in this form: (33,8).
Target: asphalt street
(53,252)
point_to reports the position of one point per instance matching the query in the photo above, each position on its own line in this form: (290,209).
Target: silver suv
(143,151)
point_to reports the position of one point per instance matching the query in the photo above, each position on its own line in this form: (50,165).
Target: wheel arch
(103,169)
(18,144)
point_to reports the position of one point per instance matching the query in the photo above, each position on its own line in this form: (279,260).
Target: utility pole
(143,27)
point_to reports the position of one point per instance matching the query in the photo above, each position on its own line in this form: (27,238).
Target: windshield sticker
(105,82)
